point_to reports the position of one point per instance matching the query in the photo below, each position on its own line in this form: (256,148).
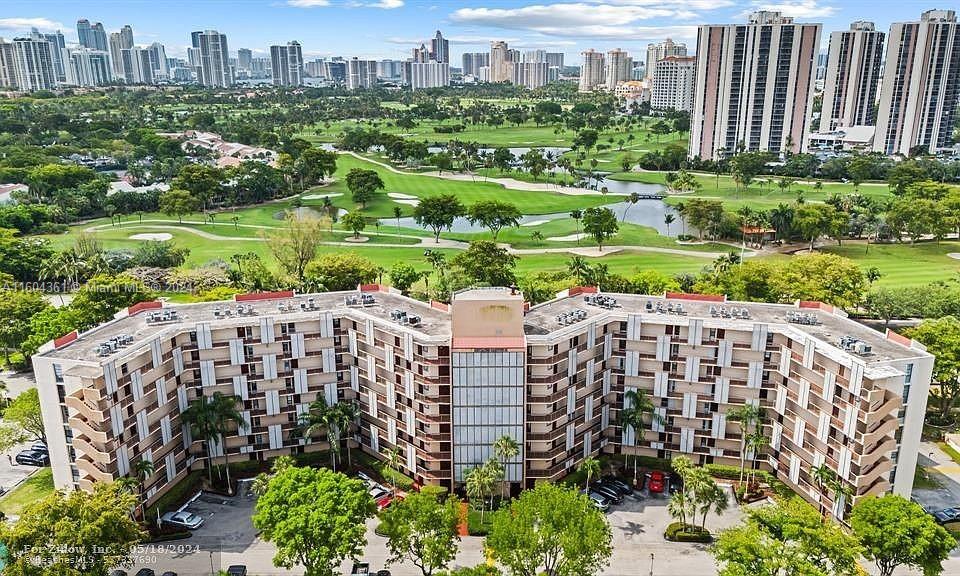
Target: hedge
(380,468)
(733,472)
(678,532)
(474,526)
(438,492)
(177,495)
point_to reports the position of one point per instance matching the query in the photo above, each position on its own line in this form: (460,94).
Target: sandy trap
(161,236)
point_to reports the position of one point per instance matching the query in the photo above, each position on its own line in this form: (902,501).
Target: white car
(187,520)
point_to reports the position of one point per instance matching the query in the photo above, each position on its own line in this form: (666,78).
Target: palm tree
(477,484)
(591,467)
(577,215)
(320,418)
(840,490)
(755,443)
(142,471)
(537,236)
(397,213)
(823,477)
(200,418)
(677,507)
(746,417)
(713,498)
(345,414)
(632,199)
(393,463)
(636,407)
(681,209)
(680,502)
(505,448)
(669,219)
(225,414)
(579,268)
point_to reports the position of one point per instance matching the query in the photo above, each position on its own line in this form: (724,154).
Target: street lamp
(651,564)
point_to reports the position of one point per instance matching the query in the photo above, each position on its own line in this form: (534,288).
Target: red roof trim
(577,290)
(507,342)
(370,288)
(439,306)
(253,296)
(898,338)
(141,306)
(697,297)
(816,305)
(65,339)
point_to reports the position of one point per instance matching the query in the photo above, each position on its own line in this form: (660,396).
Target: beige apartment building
(441,383)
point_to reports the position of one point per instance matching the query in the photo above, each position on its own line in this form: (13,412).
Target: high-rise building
(659,51)
(390,69)
(439,384)
(33,64)
(286,64)
(361,73)
(117,46)
(158,61)
(591,71)
(920,86)
(440,49)
(500,62)
(58,50)
(619,68)
(535,56)
(472,61)
(335,70)
(755,86)
(213,66)
(674,83)
(92,36)
(429,75)
(8,66)
(244,58)
(89,67)
(138,61)
(555,60)
(851,78)
(421,54)
(529,74)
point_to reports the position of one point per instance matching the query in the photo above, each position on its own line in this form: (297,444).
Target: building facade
(90,67)
(501,62)
(657,52)
(286,63)
(212,66)
(674,83)
(440,49)
(920,86)
(441,383)
(755,86)
(529,74)
(592,73)
(471,62)
(619,68)
(361,73)
(852,75)
(33,64)
(429,75)
(92,36)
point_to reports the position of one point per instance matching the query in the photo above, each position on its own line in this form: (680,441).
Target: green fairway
(763,194)
(33,489)
(903,264)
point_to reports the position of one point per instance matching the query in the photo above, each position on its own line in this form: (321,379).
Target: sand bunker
(954,255)
(321,196)
(162,236)
(399,196)
(534,222)
(408,202)
(568,238)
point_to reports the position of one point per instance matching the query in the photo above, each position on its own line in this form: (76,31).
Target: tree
(897,532)
(73,533)
(397,213)
(363,184)
(812,221)
(589,467)
(577,215)
(403,276)
(822,277)
(422,530)
(438,213)
(17,307)
(494,215)
(669,219)
(354,221)
(203,182)
(579,268)
(142,471)
(942,339)
(537,236)
(336,271)
(177,203)
(550,529)
(505,449)
(315,517)
(296,245)
(747,418)
(200,418)
(24,413)
(601,224)
(487,263)
(633,417)
(315,164)
(783,539)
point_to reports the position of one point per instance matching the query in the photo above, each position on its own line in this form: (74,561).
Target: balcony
(94,471)
(89,410)
(105,455)
(877,430)
(92,430)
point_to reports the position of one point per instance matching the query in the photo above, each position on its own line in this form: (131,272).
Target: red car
(387,500)
(656,483)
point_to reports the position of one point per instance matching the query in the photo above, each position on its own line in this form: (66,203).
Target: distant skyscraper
(674,83)
(555,59)
(286,64)
(500,62)
(657,52)
(361,73)
(58,49)
(335,71)
(473,61)
(8,66)
(33,62)
(92,36)
(89,67)
(921,84)
(619,68)
(213,68)
(591,71)
(440,48)
(852,76)
(158,61)
(535,56)
(755,85)
(116,55)
(390,69)
(429,75)
(244,58)
(529,74)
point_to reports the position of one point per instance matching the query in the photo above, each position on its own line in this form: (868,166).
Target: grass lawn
(758,196)
(923,480)
(903,264)
(34,488)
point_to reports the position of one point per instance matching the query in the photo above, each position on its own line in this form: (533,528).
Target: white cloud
(25,24)
(799,9)
(387,4)
(308,3)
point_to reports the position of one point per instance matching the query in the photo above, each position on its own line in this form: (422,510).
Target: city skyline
(390,27)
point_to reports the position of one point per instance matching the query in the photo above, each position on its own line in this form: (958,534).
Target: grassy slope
(903,264)
(34,488)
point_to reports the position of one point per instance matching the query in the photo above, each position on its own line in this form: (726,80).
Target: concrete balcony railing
(886,426)
(89,410)
(105,454)
(94,471)
(873,453)
(96,432)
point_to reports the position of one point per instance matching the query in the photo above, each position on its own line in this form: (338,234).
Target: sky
(391,28)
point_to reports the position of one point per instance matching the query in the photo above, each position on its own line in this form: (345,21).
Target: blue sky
(389,28)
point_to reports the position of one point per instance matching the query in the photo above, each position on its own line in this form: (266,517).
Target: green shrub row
(733,472)
(678,532)
(379,468)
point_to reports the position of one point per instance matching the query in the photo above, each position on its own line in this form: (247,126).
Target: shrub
(177,495)
(733,473)
(678,532)
(438,492)
(475,526)
(379,468)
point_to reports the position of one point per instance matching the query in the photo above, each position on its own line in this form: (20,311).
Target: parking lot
(228,537)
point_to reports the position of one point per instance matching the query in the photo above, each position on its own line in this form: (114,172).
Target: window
(58,372)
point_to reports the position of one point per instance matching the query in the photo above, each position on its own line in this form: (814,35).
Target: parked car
(676,483)
(617,484)
(360,569)
(39,447)
(366,479)
(383,573)
(118,573)
(169,573)
(387,500)
(607,492)
(183,519)
(946,515)
(377,492)
(145,572)
(599,501)
(33,458)
(656,483)
(237,570)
